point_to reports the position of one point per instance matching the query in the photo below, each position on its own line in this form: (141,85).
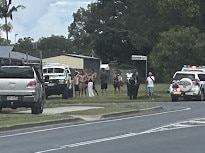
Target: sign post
(140,58)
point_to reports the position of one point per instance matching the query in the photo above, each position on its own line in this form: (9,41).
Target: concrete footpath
(77,118)
(59,110)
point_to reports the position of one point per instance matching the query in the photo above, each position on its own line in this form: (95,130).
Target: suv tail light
(32,84)
(174,84)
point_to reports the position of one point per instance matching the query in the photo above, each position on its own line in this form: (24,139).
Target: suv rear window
(179,76)
(16,72)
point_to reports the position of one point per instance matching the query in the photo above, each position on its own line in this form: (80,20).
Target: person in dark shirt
(133,86)
(103,81)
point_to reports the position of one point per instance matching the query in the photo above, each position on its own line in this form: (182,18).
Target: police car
(189,83)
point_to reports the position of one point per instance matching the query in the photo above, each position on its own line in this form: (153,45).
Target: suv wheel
(70,92)
(174,98)
(65,93)
(202,96)
(37,108)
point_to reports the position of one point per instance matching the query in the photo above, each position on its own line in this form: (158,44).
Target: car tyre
(202,96)
(37,108)
(174,98)
(70,92)
(65,93)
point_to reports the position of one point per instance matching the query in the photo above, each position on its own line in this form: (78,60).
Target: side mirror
(46,79)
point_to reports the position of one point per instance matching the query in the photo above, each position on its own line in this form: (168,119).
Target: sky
(43,18)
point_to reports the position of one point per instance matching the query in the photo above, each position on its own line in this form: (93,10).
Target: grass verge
(112,103)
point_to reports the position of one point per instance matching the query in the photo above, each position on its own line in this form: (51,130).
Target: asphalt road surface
(180,128)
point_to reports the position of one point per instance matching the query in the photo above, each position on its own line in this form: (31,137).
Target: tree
(50,46)
(6,11)
(177,47)
(102,28)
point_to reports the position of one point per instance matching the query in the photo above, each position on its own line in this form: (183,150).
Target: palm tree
(6,11)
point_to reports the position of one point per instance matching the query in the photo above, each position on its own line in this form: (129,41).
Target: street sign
(139,58)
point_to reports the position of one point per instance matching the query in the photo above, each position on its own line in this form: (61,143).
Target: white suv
(58,80)
(187,84)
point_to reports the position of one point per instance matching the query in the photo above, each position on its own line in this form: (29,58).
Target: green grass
(160,95)
(10,119)
(111,103)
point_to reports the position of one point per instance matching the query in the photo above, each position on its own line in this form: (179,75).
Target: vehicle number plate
(12,98)
(177,92)
(51,84)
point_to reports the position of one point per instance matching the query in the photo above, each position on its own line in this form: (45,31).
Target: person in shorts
(76,84)
(150,85)
(94,77)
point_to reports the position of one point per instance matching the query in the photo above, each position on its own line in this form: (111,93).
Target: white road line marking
(170,127)
(92,142)
(91,123)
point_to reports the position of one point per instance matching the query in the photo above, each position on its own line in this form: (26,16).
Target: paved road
(179,129)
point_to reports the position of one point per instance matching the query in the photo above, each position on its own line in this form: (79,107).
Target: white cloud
(42,18)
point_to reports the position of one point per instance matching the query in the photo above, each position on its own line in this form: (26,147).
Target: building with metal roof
(75,61)
(7,54)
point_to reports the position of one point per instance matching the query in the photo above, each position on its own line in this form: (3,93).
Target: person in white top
(128,76)
(150,85)
(90,86)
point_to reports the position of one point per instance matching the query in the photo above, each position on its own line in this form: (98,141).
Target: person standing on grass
(90,86)
(116,83)
(128,76)
(137,82)
(103,81)
(94,77)
(76,84)
(150,85)
(132,87)
(82,82)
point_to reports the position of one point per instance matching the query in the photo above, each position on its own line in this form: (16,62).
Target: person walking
(103,81)
(128,76)
(150,85)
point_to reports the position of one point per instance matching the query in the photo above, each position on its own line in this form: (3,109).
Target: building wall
(73,62)
(90,63)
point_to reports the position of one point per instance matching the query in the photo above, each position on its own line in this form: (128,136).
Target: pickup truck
(21,86)
(58,80)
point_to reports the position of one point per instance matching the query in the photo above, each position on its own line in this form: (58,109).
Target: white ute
(57,80)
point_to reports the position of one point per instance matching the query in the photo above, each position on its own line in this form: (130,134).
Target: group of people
(84,82)
(133,84)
